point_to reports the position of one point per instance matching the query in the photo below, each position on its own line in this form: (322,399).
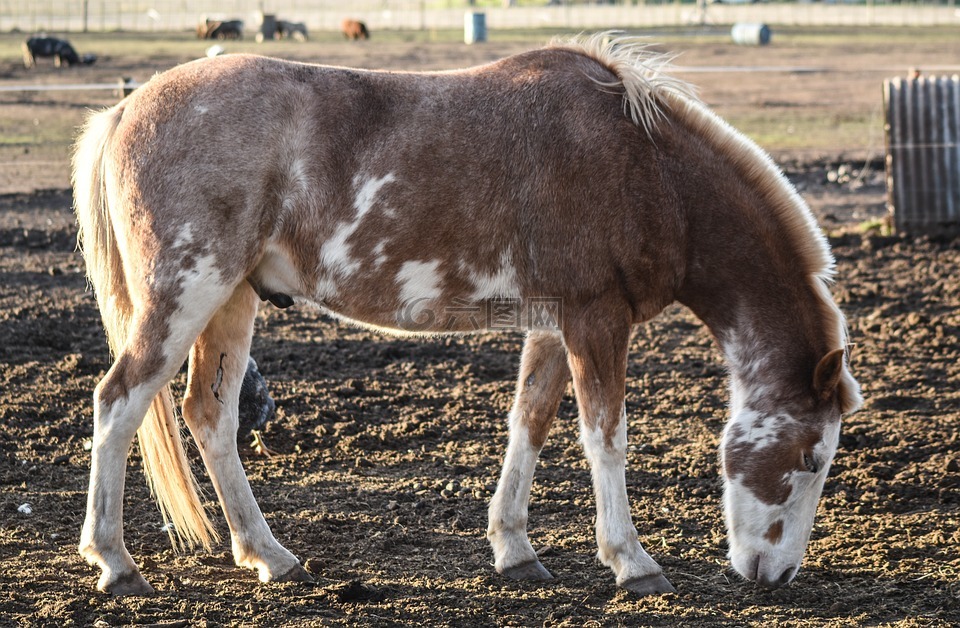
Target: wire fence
(177,15)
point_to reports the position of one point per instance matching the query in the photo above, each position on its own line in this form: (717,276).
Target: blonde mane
(644,74)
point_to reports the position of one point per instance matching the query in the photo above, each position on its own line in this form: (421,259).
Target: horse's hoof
(533,570)
(295,574)
(654,584)
(128,584)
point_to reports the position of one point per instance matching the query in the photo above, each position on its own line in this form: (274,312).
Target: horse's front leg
(597,350)
(218,361)
(543,378)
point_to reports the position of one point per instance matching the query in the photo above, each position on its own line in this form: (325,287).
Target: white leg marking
(507,528)
(617,541)
(101,538)
(253,543)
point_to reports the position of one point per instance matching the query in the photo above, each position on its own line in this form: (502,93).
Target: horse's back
(493,183)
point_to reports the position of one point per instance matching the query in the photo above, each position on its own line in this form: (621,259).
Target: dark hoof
(654,584)
(296,574)
(533,570)
(130,584)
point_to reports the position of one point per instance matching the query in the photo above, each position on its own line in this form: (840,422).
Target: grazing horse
(579,187)
(354,30)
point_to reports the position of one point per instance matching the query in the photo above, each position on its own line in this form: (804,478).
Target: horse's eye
(810,464)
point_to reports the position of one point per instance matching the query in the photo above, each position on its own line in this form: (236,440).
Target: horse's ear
(826,377)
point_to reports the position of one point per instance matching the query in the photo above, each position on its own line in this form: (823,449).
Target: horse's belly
(406,296)
(424,315)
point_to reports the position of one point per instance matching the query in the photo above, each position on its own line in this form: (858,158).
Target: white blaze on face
(768,540)
(755,430)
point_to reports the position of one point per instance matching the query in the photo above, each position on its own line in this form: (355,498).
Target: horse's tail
(96,194)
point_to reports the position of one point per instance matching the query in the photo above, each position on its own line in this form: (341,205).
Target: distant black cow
(291,30)
(60,49)
(216,29)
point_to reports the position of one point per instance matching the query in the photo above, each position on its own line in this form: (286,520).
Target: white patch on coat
(379,257)
(420,284)
(500,284)
(419,281)
(298,182)
(184,236)
(335,254)
(756,429)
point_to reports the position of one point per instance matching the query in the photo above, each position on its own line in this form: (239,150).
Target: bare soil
(387,450)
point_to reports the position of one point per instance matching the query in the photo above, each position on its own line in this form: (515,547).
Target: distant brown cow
(354,30)
(217,29)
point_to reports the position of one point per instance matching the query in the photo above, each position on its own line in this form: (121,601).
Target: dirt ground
(387,450)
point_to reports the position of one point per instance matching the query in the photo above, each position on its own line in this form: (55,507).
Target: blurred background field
(813,95)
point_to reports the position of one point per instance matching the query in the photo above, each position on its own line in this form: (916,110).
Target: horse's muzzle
(767,571)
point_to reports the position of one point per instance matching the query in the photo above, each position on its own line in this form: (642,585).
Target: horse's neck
(765,313)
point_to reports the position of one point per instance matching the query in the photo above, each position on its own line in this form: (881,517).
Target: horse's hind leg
(597,350)
(218,361)
(143,366)
(543,377)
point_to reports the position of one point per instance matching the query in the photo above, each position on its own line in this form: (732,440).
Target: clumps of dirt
(385,453)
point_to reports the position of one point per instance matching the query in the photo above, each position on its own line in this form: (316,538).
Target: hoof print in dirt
(256,405)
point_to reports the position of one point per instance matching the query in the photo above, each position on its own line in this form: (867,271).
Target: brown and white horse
(574,190)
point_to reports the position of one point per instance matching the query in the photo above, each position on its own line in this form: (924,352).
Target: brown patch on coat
(765,470)
(774,532)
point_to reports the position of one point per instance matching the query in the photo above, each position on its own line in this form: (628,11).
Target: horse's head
(775,455)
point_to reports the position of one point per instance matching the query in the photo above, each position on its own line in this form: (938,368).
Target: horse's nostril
(785,576)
